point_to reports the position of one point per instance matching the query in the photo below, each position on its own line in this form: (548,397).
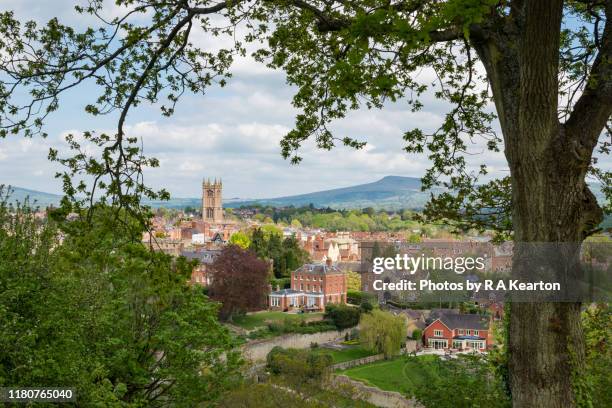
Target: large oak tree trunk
(551,202)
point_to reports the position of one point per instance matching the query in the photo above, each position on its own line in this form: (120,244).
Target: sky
(231,133)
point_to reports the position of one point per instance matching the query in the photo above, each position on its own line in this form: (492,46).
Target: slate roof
(283,292)
(465,321)
(468,338)
(205,256)
(319,269)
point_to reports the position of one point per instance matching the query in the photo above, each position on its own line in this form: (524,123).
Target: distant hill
(391,192)
(36,198)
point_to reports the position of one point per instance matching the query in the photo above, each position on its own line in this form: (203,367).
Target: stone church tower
(212,206)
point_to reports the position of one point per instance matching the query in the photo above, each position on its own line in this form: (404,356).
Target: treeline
(366,219)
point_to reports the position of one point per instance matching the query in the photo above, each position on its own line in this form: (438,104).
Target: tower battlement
(212,204)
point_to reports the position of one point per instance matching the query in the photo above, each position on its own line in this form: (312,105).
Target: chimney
(277,287)
(328,261)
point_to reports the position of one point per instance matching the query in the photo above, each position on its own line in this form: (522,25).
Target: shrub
(357,297)
(417,334)
(366,307)
(298,363)
(343,316)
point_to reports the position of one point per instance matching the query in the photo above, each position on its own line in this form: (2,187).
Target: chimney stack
(328,261)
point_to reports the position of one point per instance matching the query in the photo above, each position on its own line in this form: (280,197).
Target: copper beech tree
(239,281)
(540,67)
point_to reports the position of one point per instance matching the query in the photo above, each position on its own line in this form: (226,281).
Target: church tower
(212,206)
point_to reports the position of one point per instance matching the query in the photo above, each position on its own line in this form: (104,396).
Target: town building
(458,332)
(212,204)
(201,274)
(312,287)
(339,247)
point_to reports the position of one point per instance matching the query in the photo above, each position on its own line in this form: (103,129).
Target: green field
(260,319)
(347,354)
(403,374)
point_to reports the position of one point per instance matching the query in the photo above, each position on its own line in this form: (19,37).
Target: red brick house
(200,275)
(312,287)
(458,332)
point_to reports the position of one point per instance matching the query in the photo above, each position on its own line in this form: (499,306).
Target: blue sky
(233,133)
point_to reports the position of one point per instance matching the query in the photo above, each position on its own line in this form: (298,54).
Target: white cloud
(234,133)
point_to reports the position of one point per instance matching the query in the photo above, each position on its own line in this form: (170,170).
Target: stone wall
(375,396)
(360,361)
(258,350)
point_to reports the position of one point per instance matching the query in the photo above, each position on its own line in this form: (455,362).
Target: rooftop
(319,269)
(465,321)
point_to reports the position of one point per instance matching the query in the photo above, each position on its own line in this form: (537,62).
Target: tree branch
(594,107)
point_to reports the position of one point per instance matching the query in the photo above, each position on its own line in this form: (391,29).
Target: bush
(357,297)
(343,316)
(366,307)
(291,326)
(282,283)
(298,363)
(417,334)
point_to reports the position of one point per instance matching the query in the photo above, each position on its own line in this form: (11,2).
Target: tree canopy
(106,316)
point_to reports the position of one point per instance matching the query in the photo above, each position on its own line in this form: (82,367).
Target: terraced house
(312,287)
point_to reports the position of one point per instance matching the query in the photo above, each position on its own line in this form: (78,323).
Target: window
(468,332)
(301,286)
(275,301)
(475,332)
(438,333)
(460,331)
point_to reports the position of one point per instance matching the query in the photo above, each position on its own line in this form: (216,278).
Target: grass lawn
(347,354)
(260,319)
(402,374)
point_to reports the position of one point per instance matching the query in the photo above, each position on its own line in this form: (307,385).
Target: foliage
(343,316)
(353,281)
(357,297)
(262,319)
(382,332)
(239,281)
(498,356)
(271,395)
(366,307)
(339,219)
(462,382)
(286,254)
(293,326)
(597,321)
(346,353)
(241,239)
(282,283)
(301,363)
(106,315)
(417,334)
